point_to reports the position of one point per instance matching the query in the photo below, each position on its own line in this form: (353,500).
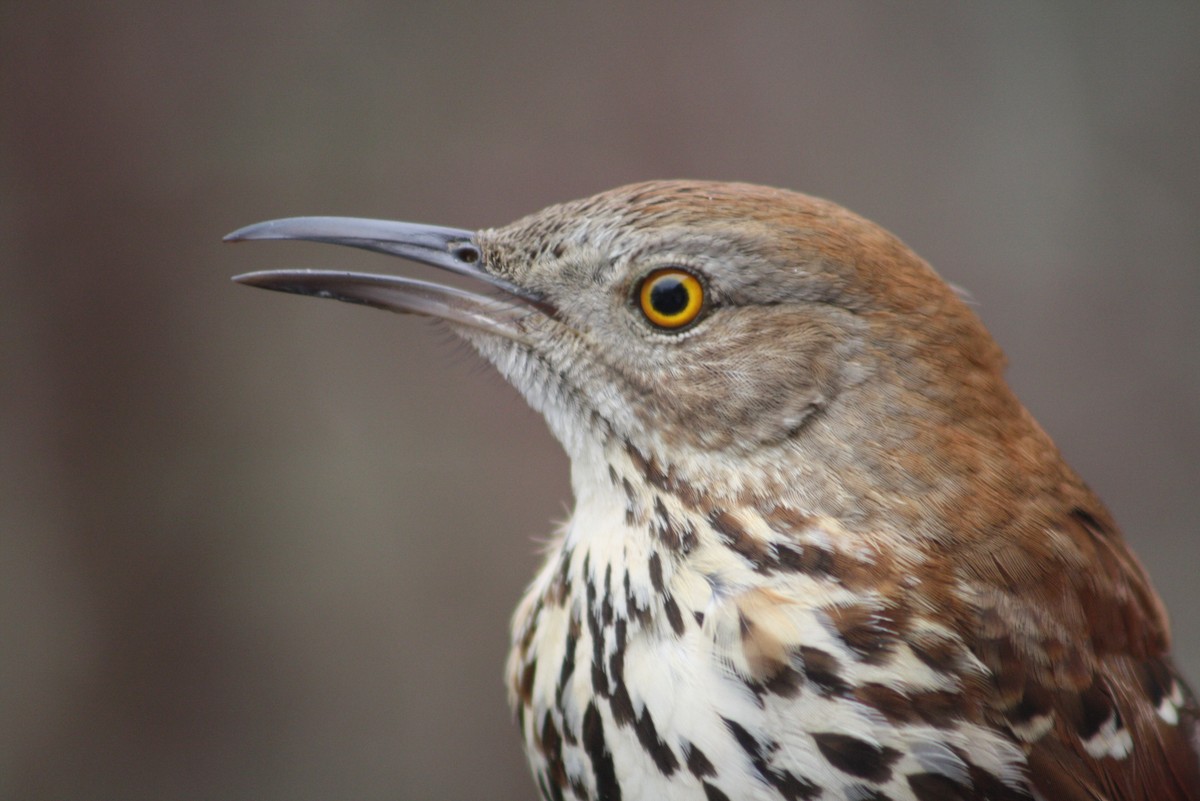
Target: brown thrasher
(819,550)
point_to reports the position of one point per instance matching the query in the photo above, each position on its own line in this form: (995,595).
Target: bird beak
(450,249)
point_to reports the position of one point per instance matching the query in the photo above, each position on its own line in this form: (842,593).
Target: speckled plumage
(819,550)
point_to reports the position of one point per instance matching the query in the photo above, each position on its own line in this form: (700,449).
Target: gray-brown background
(262,547)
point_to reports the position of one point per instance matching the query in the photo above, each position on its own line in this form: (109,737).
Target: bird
(818,548)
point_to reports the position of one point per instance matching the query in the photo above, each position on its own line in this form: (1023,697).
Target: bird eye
(671,298)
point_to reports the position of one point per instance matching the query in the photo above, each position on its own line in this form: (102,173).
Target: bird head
(701,324)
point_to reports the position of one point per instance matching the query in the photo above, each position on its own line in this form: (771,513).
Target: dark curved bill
(450,249)
(399,294)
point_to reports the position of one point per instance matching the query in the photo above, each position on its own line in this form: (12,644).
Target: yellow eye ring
(671,298)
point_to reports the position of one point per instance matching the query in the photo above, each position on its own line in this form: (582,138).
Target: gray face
(764,352)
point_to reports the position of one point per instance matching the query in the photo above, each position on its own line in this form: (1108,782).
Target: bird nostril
(468,254)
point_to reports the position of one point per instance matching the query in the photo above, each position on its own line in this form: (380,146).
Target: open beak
(450,249)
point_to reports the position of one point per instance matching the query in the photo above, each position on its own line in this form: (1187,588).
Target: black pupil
(668,296)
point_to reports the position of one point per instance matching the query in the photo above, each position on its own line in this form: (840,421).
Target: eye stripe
(671,298)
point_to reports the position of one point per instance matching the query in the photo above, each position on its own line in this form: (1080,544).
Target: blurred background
(255,546)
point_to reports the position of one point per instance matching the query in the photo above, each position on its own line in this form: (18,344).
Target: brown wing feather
(1078,643)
